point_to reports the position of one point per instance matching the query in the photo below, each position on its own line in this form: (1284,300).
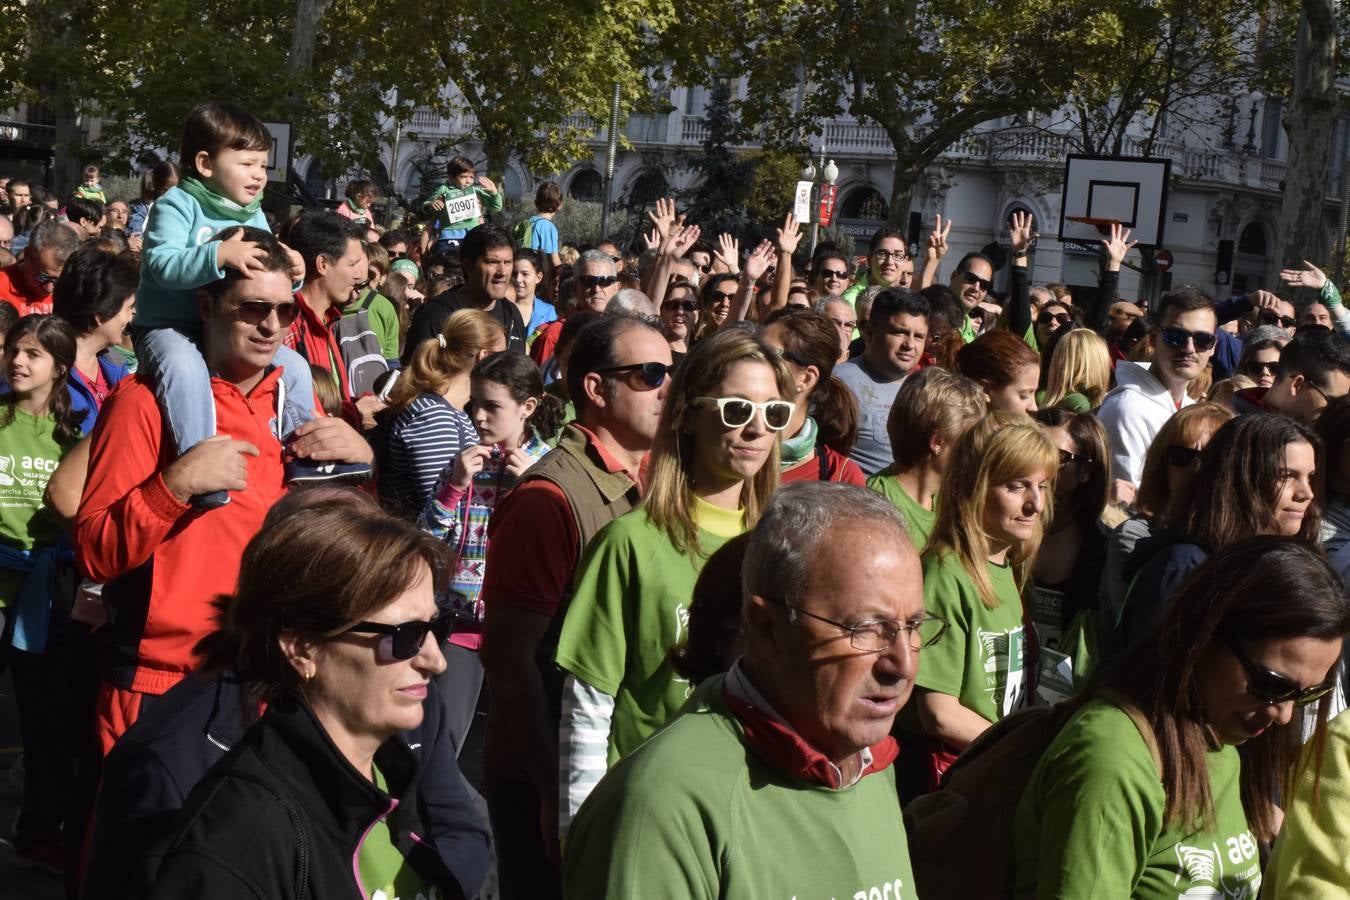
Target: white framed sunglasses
(738,411)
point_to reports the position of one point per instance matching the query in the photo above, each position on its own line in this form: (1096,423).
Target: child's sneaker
(309,471)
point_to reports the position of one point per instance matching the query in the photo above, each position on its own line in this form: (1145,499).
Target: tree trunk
(308,15)
(1309,123)
(904,177)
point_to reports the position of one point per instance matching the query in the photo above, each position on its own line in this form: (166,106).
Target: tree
(1172,64)
(1309,123)
(718,200)
(926,71)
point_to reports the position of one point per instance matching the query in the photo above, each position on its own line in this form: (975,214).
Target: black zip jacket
(280,815)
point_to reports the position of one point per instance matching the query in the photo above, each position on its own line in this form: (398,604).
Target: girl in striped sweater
(515,419)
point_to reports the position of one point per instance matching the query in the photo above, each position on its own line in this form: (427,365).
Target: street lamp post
(830,172)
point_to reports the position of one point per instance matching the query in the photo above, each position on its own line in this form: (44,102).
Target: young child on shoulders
(457,206)
(89,188)
(223,172)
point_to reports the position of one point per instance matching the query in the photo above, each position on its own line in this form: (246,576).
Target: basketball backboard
(1099,190)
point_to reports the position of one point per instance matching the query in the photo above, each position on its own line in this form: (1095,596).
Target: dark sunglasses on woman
(405,641)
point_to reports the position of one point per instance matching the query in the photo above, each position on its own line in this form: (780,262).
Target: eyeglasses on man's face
(879,636)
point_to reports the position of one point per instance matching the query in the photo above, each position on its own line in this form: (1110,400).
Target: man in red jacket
(162,561)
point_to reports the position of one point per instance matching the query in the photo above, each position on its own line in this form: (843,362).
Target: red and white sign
(1163,260)
(828,194)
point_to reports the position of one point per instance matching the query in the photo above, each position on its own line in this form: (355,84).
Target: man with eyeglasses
(1146,396)
(618,374)
(788,755)
(161,560)
(971,282)
(1313,370)
(28,283)
(893,341)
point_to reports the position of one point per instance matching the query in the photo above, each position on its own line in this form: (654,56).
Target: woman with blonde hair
(425,425)
(1079,374)
(713,465)
(996,500)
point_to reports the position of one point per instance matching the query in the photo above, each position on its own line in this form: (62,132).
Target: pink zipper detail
(356,855)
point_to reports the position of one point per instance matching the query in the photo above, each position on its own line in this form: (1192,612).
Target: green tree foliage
(723,177)
(531,73)
(926,71)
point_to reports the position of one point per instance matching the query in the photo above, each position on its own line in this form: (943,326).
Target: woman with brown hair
(1141,793)
(825,421)
(1258,475)
(1005,367)
(342,659)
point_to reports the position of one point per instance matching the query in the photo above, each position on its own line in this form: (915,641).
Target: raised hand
(678,244)
(487,184)
(1020,234)
(936,247)
(759,260)
(1264,300)
(663,218)
(790,235)
(1309,277)
(1116,245)
(651,239)
(728,253)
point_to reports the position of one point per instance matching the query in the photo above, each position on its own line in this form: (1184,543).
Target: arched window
(1252,240)
(586,186)
(650,186)
(864,203)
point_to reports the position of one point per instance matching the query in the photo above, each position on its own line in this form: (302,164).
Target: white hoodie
(1133,413)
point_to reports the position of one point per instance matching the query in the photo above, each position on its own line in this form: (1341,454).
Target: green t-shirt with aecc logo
(918,519)
(630,606)
(29,454)
(981,660)
(696,812)
(1091,824)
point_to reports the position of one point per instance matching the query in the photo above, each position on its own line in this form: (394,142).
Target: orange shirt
(14,288)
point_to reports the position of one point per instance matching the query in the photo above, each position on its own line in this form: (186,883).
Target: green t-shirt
(449,218)
(29,454)
(385,872)
(695,813)
(1090,823)
(967,329)
(982,658)
(630,606)
(918,519)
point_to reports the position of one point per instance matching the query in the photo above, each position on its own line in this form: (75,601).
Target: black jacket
(429,319)
(152,769)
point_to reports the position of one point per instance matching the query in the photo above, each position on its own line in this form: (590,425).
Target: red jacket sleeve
(126,510)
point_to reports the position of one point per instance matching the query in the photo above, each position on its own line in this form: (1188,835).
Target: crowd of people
(747,572)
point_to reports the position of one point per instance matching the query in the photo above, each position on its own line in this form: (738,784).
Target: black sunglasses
(1270,318)
(1270,686)
(598,280)
(1181,457)
(719,296)
(653,373)
(1046,318)
(837,274)
(705,268)
(985,284)
(1065,457)
(251,312)
(1257,367)
(1177,337)
(686,305)
(405,641)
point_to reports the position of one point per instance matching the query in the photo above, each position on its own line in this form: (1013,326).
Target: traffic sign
(1162,259)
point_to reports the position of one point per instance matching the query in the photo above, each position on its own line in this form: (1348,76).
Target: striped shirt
(422,439)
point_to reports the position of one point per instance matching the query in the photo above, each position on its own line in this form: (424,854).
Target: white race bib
(460,209)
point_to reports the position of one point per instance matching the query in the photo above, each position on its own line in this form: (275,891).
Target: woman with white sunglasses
(712,468)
